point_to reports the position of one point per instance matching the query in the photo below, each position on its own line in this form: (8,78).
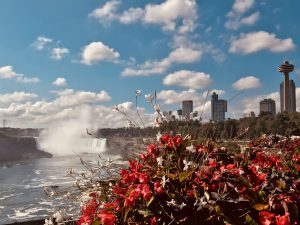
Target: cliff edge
(14,148)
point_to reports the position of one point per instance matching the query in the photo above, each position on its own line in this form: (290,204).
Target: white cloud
(96,52)
(60,81)
(248,82)
(169,12)
(189,79)
(171,15)
(177,56)
(59,53)
(237,22)
(235,16)
(241,6)
(107,12)
(70,97)
(27,80)
(41,42)
(131,15)
(7,72)
(261,40)
(16,97)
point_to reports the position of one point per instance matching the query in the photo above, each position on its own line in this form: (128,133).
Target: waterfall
(96,145)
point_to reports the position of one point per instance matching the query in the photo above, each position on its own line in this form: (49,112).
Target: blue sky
(58,58)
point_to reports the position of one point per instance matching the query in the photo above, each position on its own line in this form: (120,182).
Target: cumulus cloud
(97,52)
(171,15)
(41,42)
(189,79)
(177,56)
(59,53)
(7,72)
(60,81)
(237,22)
(169,12)
(261,40)
(248,82)
(241,6)
(235,16)
(107,12)
(131,15)
(16,97)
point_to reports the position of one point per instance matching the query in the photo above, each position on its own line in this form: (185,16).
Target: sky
(74,60)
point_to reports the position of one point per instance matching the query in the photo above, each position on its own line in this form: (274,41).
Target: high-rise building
(218,108)
(267,105)
(179,114)
(287,89)
(187,108)
(291,97)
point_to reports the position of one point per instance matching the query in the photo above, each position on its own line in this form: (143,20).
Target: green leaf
(218,210)
(96,222)
(249,220)
(184,175)
(150,201)
(260,207)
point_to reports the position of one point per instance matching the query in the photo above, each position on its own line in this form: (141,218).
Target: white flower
(182,205)
(60,216)
(191,148)
(48,222)
(149,97)
(159,161)
(138,92)
(186,164)
(172,202)
(164,181)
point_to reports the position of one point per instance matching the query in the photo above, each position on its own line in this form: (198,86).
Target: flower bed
(179,182)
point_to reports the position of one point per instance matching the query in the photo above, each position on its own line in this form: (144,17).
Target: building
(291,97)
(187,108)
(287,88)
(179,114)
(249,115)
(218,108)
(267,105)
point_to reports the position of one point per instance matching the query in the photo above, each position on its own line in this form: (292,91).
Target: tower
(187,108)
(218,108)
(287,101)
(267,105)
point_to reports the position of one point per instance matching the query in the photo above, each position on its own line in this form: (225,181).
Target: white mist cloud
(59,53)
(16,97)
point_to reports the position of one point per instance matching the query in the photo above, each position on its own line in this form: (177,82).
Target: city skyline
(69,60)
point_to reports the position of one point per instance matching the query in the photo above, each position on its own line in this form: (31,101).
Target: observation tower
(286,68)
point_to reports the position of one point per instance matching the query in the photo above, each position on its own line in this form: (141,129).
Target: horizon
(66,61)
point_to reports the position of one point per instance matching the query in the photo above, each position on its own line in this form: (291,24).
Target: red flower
(153,221)
(107,218)
(128,202)
(283,220)
(143,178)
(266,217)
(153,149)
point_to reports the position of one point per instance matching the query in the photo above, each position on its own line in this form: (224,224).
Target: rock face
(19,148)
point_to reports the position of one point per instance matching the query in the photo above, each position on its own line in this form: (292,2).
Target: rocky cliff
(19,148)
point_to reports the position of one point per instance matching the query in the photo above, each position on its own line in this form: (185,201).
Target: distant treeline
(244,128)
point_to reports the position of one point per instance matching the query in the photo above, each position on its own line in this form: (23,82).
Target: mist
(69,136)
